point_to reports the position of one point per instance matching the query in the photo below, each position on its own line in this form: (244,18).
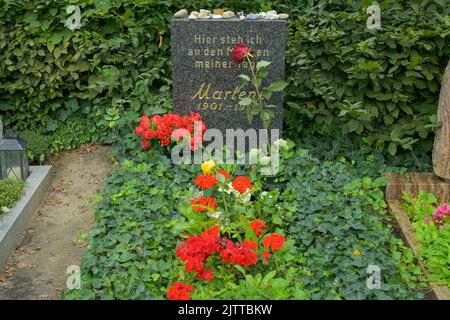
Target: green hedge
(382,85)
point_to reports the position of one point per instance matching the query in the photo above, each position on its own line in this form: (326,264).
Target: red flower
(180,291)
(257,226)
(205,274)
(172,127)
(212,232)
(239,52)
(144,123)
(149,134)
(193,265)
(241,254)
(225,174)
(202,203)
(250,244)
(165,141)
(206,181)
(200,247)
(274,241)
(139,130)
(266,255)
(242,184)
(146,145)
(180,134)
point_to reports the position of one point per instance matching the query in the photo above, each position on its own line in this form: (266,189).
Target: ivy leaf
(50,46)
(354,126)
(52,125)
(392,148)
(57,53)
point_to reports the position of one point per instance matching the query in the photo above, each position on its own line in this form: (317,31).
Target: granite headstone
(205,79)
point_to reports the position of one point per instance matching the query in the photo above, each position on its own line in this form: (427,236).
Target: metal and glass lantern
(13,158)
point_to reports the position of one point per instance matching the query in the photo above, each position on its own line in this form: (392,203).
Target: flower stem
(225,204)
(255,84)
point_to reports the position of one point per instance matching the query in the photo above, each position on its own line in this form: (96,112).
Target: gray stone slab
(205,79)
(16,220)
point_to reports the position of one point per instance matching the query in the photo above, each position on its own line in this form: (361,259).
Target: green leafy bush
(434,240)
(38,145)
(380,85)
(11,191)
(49,73)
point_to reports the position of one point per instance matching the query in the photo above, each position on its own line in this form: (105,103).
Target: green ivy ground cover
(338,223)
(381,86)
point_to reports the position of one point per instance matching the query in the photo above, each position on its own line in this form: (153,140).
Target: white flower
(263,194)
(246,196)
(230,189)
(281,143)
(216,214)
(265,160)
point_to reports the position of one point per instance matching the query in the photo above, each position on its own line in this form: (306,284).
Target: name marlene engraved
(204,93)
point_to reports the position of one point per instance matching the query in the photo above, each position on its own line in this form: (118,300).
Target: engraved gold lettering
(202,95)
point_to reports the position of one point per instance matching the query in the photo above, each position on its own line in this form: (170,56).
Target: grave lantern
(13,158)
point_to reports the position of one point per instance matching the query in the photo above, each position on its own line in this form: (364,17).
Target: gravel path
(56,237)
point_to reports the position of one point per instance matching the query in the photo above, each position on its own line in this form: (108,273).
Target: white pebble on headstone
(283,16)
(252,16)
(192,17)
(204,15)
(228,14)
(181,14)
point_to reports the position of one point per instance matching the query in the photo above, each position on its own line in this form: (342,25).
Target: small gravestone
(441,150)
(205,79)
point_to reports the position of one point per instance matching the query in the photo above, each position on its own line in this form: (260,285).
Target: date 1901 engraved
(219,106)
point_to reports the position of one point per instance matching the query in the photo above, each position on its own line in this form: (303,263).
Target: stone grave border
(413,183)
(14,222)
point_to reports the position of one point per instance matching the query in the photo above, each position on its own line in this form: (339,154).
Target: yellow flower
(357,252)
(208,166)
